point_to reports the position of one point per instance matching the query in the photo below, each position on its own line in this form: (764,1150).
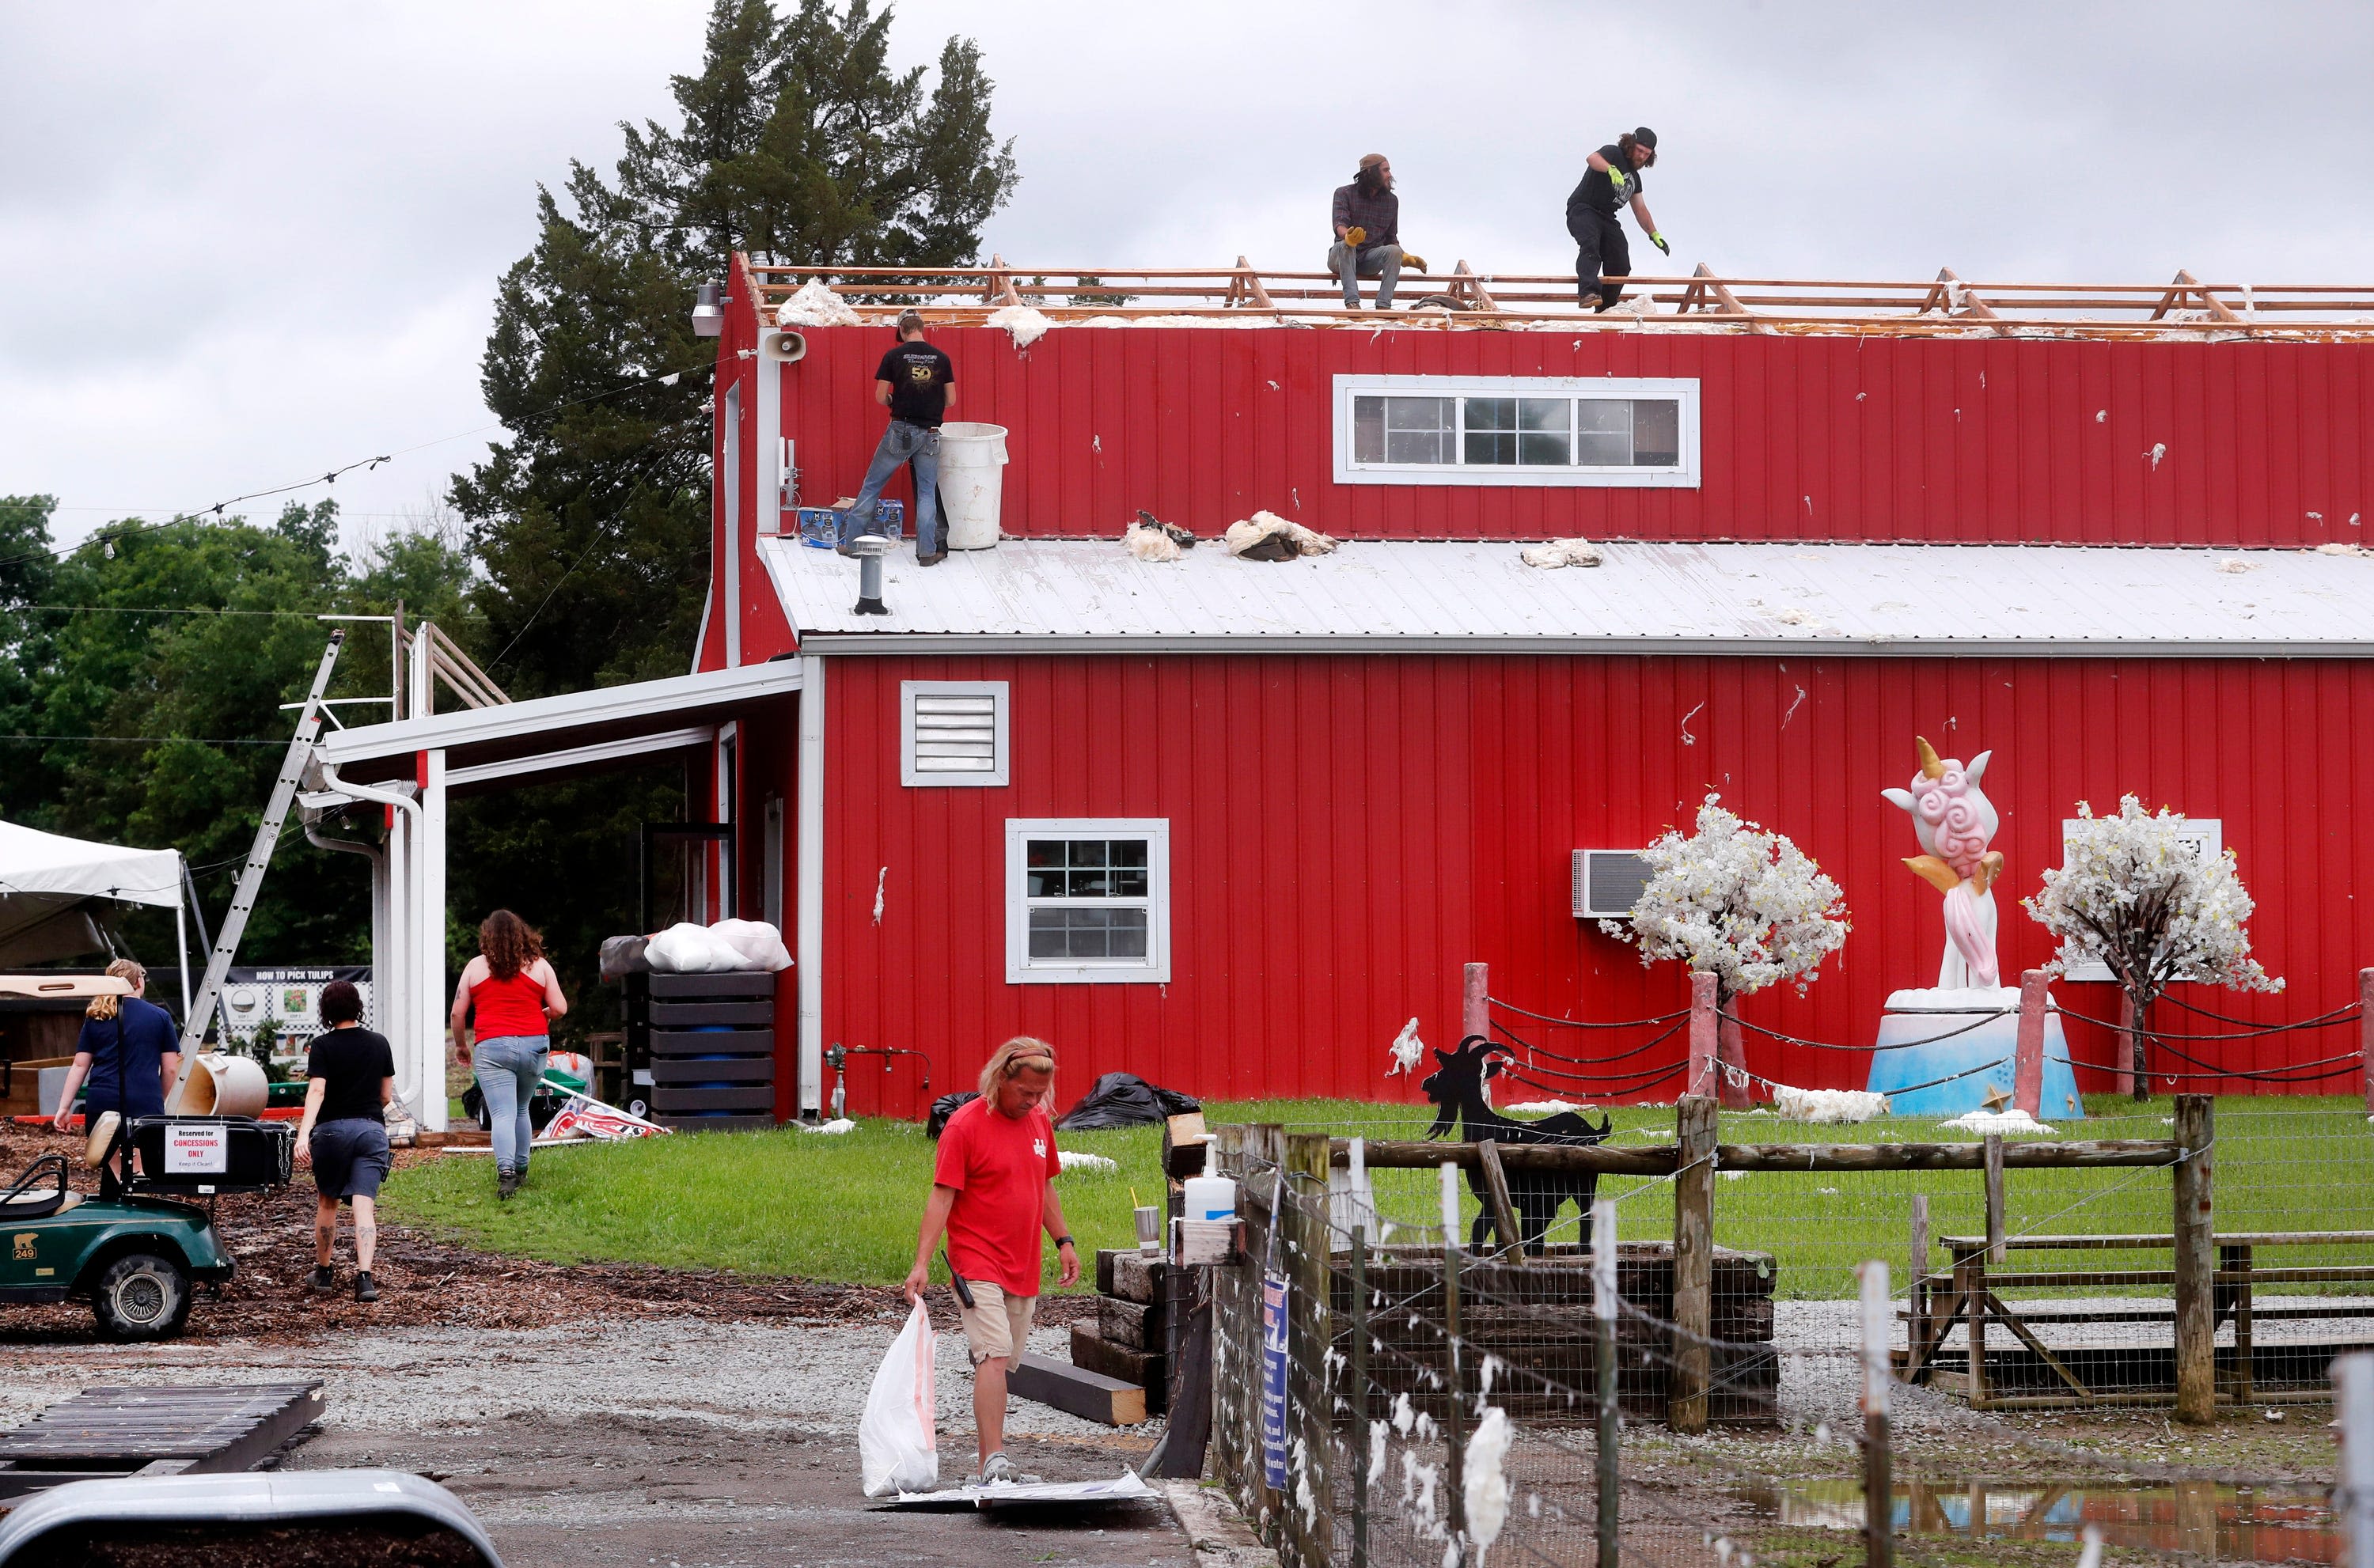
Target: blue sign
(1273,1404)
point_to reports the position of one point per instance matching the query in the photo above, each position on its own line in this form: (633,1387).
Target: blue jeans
(508,1068)
(903,443)
(1350,264)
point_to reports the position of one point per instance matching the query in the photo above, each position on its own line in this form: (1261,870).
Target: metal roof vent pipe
(708,310)
(869,549)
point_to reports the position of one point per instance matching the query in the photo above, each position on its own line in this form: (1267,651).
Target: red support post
(1705,1043)
(1736,1093)
(1475,1009)
(2028,1061)
(2366,1032)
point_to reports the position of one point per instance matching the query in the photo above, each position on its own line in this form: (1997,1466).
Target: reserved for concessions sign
(197,1149)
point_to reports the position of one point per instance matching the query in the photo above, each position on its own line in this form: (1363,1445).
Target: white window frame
(2207,834)
(1682,476)
(1021,969)
(996,779)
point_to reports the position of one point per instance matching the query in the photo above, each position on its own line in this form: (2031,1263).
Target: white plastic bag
(896,1450)
(757,944)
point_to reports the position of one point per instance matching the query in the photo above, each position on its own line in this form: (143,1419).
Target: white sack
(757,944)
(896,1450)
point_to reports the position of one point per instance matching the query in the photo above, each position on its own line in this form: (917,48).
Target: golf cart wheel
(141,1295)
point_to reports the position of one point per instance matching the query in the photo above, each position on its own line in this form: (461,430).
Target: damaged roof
(1373,596)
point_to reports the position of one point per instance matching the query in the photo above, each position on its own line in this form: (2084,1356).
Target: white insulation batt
(1150,543)
(2011,1124)
(816,305)
(1827,1104)
(1022,325)
(1560,553)
(1264,525)
(1078,1159)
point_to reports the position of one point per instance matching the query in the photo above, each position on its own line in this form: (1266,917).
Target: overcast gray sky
(240,245)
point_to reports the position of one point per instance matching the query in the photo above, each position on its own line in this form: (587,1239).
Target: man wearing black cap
(1613,180)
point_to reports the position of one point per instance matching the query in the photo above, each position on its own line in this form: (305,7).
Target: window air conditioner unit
(1607,882)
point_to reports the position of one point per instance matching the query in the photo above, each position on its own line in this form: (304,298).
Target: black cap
(1646,137)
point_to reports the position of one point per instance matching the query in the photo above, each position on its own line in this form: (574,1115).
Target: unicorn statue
(1954,820)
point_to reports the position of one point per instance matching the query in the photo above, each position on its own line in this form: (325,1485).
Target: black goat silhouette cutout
(1457,1087)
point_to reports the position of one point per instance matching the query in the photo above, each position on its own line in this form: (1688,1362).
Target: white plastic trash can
(972,484)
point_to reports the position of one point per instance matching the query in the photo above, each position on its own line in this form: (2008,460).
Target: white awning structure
(413,767)
(33,862)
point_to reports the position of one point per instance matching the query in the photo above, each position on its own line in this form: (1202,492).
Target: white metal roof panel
(1648,597)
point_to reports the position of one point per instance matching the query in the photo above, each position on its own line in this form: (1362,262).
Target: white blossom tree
(1744,904)
(2134,895)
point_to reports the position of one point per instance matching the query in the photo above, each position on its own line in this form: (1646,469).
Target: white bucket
(220,1086)
(972,484)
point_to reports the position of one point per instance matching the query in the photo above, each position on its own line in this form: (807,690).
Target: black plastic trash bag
(945,1107)
(1123,1099)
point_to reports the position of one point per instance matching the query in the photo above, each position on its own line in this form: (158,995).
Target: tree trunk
(2137,1060)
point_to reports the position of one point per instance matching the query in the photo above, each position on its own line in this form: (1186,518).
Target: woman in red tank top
(507,998)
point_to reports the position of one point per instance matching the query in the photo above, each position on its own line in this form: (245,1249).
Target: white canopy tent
(45,876)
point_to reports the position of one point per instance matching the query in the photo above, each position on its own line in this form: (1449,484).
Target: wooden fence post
(2366,1032)
(2196,1261)
(1610,1427)
(1704,1037)
(1311,1336)
(1474,1000)
(2353,1387)
(2028,1061)
(2123,1075)
(1993,1155)
(1454,1422)
(1879,1484)
(1356,1450)
(1694,1139)
(1738,1092)
(1232,1373)
(1264,1168)
(1916,1289)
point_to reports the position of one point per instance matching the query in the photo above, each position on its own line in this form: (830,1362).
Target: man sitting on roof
(918,384)
(1368,220)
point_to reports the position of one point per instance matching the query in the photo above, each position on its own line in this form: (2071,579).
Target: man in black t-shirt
(1612,182)
(918,384)
(344,1135)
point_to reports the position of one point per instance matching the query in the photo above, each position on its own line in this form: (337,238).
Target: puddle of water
(2203,1518)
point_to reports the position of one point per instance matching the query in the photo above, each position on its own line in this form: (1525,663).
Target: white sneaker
(996,1468)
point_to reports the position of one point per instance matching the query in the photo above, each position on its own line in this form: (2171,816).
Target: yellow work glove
(1354,235)
(1414,262)
(1618,178)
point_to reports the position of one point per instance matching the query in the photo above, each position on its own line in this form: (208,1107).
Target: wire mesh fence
(1404,1375)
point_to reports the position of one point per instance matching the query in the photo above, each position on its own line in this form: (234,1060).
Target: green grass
(845,1207)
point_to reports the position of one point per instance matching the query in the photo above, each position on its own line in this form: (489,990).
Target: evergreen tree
(797,143)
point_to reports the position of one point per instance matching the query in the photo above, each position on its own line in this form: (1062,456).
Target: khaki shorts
(996,1325)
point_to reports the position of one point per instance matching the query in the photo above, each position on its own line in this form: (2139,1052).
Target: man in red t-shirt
(993,1191)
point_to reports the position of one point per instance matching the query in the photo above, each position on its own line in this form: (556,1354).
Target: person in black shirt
(918,384)
(344,1135)
(1612,182)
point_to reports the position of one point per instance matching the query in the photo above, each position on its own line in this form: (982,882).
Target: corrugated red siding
(1967,441)
(1346,832)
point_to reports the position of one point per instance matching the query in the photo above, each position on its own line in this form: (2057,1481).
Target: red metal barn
(1228,823)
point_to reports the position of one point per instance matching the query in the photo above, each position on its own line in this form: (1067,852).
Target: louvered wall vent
(952,733)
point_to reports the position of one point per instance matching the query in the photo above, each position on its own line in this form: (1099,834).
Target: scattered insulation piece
(1150,543)
(1827,1105)
(2012,1122)
(2235,565)
(816,305)
(1022,325)
(1561,552)
(1406,1050)
(1540,1107)
(1483,1478)
(838,1125)
(1266,536)
(2337,548)
(1075,1160)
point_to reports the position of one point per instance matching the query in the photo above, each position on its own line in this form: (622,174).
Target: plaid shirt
(1381,215)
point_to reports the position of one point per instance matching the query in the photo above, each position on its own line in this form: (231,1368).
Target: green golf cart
(135,1255)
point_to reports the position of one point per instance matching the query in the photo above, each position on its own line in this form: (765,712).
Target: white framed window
(952,734)
(2206,834)
(1087,900)
(1537,430)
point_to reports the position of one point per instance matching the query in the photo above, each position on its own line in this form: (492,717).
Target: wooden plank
(734,983)
(1077,1391)
(1137,1278)
(727,1042)
(1132,1326)
(678,1102)
(2196,1263)
(715,1123)
(2139,1242)
(1917,1289)
(757,1011)
(2026,1336)
(1803,1158)
(1495,1186)
(1141,1369)
(1105,1256)
(1685,1400)
(1312,1335)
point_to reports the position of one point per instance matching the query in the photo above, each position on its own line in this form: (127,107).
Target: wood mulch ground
(425,1282)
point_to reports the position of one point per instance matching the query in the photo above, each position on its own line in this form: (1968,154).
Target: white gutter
(1678,644)
(811,889)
